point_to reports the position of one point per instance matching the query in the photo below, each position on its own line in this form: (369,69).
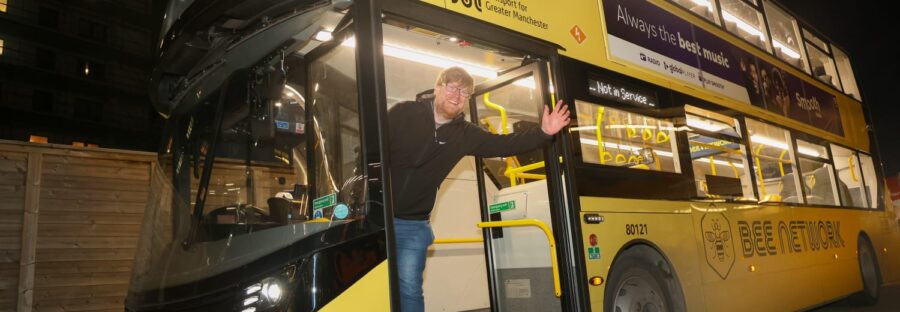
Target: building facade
(75,72)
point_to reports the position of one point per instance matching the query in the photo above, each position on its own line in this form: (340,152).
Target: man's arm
(482,143)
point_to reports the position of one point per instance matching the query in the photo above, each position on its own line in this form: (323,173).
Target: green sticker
(594,253)
(504,206)
(324,201)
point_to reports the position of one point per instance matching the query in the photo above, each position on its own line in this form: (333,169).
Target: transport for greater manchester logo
(717,243)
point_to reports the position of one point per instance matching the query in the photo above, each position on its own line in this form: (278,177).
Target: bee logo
(718,238)
(716,231)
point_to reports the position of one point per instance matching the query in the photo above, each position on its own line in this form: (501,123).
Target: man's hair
(454,74)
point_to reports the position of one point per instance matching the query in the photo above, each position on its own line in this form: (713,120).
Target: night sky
(864,29)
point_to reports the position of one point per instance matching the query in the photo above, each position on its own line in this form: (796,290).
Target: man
(428,137)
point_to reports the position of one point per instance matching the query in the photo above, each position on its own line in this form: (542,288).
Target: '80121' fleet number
(635,229)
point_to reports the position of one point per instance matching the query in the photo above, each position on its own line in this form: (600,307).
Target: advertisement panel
(645,35)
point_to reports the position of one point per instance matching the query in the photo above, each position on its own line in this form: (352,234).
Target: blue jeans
(412,238)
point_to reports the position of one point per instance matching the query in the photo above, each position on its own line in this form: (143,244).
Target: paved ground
(888,302)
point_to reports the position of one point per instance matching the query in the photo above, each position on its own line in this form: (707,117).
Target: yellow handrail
(512,161)
(550,239)
(552,96)
(532,176)
(734,168)
(490,126)
(717,147)
(852,169)
(781,162)
(524,168)
(762,183)
(497,107)
(459,240)
(600,135)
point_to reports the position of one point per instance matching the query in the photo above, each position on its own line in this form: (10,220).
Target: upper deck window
(745,21)
(618,138)
(813,39)
(823,67)
(820,62)
(704,8)
(848,80)
(786,43)
(3,4)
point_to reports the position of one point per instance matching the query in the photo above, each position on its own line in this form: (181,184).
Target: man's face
(451,98)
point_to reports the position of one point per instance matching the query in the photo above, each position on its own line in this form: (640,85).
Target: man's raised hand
(551,123)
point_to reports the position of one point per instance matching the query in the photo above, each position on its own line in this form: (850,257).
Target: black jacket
(421,157)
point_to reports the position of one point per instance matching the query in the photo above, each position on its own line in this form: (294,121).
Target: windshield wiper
(197,215)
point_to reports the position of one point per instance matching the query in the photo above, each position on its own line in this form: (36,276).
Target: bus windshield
(270,159)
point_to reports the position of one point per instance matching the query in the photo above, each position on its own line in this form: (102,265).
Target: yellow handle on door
(550,239)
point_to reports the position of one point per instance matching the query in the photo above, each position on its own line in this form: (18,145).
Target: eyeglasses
(450,90)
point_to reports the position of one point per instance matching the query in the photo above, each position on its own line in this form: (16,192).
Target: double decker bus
(720,158)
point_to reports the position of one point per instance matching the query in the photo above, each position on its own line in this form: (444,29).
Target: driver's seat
(279,209)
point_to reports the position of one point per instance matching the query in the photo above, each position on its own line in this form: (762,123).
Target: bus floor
(888,301)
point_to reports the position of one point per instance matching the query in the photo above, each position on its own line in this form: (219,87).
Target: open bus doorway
(513,266)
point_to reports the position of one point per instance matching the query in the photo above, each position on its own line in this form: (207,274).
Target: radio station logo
(717,243)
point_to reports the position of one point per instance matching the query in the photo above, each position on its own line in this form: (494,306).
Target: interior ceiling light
(440,61)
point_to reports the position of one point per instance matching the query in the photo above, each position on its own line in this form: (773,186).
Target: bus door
(468,268)
(515,195)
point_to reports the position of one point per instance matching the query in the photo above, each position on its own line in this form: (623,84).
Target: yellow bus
(720,158)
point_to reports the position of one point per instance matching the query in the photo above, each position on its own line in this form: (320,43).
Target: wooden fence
(69,224)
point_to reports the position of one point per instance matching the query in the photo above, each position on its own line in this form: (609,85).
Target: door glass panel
(507,110)
(517,189)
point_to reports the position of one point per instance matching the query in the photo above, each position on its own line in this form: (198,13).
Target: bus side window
(847,166)
(613,137)
(718,158)
(870,179)
(772,156)
(817,175)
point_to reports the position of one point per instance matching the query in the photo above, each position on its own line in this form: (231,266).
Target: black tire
(642,280)
(868,271)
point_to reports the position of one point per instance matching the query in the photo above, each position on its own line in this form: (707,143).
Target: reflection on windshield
(269,159)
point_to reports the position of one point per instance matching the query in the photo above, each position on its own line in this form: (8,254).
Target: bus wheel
(868,271)
(641,280)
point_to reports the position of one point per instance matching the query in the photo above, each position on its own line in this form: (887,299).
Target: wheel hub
(636,294)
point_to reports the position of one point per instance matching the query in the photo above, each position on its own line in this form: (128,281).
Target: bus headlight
(271,290)
(265,294)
